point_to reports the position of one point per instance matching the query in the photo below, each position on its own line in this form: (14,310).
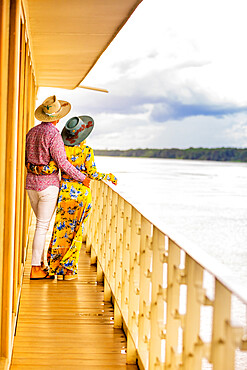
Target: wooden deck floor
(67,325)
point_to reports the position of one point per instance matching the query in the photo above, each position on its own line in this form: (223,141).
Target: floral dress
(73,207)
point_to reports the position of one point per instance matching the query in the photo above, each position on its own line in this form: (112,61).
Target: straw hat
(52,109)
(77,129)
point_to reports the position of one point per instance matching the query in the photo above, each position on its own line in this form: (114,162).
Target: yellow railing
(165,295)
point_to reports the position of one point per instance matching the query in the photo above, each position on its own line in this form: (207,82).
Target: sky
(176,75)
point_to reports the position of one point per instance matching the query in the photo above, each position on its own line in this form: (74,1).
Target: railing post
(93,257)
(100,273)
(107,291)
(113,236)
(88,245)
(173,291)
(194,279)
(134,279)
(222,357)
(96,223)
(119,251)
(108,221)
(157,300)
(131,350)
(89,230)
(100,240)
(126,261)
(118,319)
(103,244)
(145,289)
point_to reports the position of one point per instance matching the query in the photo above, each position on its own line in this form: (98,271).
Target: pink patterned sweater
(43,143)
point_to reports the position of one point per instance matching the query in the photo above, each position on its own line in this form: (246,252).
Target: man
(43,143)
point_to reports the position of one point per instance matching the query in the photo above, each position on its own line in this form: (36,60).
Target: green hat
(77,129)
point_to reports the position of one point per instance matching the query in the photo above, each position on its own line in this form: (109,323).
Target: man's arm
(59,156)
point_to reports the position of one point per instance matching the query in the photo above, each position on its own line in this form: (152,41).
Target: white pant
(43,204)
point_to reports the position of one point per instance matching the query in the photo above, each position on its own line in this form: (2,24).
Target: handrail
(164,289)
(209,263)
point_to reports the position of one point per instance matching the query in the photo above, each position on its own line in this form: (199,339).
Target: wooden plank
(65,324)
(77,356)
(76,350)
(65,367)
(32,346)
(67,361)
(59,339)
(107,327)
(49,321)
(79,334)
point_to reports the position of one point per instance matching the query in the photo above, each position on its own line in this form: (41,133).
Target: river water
(204,201)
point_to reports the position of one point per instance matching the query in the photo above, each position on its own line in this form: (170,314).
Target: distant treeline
(215,154)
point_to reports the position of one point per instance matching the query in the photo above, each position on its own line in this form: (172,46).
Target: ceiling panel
(68,37)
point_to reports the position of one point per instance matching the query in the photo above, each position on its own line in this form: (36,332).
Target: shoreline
(205,154)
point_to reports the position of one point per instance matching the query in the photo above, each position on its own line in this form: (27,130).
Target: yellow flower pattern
(73,207)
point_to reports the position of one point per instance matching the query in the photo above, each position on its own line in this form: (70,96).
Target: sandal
(70,276)
(47,276)
(44,268)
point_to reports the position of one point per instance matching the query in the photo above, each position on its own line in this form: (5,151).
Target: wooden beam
(21,121)
(93,88)
(25,214)
(10,183)
(4,45)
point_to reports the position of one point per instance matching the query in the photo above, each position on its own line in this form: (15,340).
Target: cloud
(126,65)
(238,131)
(113,131)
(148,120)
(122,132)
(170,109)
(200,131)
(162,96)
(169,94)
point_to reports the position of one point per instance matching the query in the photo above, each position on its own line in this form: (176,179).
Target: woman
(43,143)
(74,200)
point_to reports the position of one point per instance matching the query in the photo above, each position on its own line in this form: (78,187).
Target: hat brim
(41,116)
(70,140)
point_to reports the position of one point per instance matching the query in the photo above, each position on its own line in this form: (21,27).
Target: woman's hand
(112,178)
(86,182)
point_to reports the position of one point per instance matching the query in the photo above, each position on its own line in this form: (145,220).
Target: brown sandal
(47,276)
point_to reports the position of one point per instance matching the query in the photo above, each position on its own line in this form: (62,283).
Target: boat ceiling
(67,37)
